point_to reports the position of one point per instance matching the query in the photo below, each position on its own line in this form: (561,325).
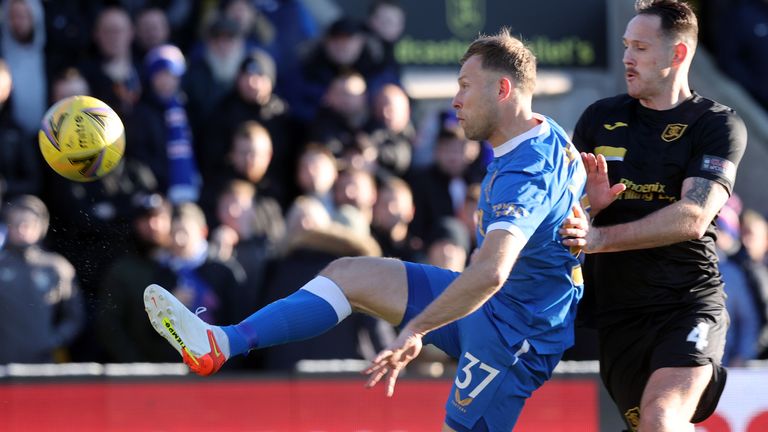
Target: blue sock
(314,309)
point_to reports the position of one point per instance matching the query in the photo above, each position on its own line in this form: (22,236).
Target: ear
(680,54)
(506,87)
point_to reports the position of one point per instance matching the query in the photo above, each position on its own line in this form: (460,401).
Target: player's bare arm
(481,280)
(686,219)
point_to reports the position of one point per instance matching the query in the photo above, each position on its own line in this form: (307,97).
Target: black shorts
(633,349)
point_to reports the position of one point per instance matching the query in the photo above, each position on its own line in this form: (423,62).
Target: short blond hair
(504,53)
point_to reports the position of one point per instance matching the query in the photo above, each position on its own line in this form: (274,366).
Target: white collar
(540,129)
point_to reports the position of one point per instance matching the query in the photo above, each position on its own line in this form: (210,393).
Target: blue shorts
(493,379)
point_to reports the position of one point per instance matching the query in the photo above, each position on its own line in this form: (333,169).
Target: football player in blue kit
(507,318)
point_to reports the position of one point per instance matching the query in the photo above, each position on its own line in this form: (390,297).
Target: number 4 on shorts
(698,335)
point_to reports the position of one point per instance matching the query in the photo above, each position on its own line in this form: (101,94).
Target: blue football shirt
(530,188)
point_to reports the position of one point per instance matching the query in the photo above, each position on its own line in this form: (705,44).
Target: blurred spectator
(158,128)
(754,236)
(3,226)
(248,158)
(468,215)
(249,231)
(20,161)
(253,99)
(213,68)
(314,241)
(123,329)
(440,189)
(205,284)
(744,330)
(345,47)
(23,47)
(152,31)
(357,188)
(112,75)
(70,82)
(386,21)
(316,174)
(391,130)
(179,13)
(741,46)
(257,29)
(448,244)
(392,214)
(41,310)
(297,28)
(343,113)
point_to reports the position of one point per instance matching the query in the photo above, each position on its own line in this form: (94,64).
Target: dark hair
(677,18)
(506,54)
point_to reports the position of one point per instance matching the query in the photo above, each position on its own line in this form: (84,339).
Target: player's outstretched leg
(377,286)
(203,347)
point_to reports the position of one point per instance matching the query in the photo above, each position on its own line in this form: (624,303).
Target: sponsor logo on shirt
(615,125)
(509,210)
(673,131)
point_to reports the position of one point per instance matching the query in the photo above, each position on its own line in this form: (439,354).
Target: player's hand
(599,190)
(393,359)
(574,229)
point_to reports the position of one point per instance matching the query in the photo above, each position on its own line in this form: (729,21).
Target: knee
(656,416)
(339,269)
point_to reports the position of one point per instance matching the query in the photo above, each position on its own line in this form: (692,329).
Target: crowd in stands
(261,144)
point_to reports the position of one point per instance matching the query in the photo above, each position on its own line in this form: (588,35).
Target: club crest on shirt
(673,131)
(633,418)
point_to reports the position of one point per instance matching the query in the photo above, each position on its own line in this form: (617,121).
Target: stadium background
(578,44)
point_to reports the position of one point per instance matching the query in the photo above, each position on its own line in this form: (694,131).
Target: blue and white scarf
(184,177)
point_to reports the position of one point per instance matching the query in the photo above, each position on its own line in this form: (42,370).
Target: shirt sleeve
(719,148)
(519,202)
(582,132)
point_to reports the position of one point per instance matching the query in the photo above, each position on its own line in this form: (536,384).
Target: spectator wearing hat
(213,68)
(159,133)
(122,328)
(344,47)
(252,99)
(41,310)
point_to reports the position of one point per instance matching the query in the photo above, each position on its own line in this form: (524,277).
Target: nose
(627,59)
(456,102)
